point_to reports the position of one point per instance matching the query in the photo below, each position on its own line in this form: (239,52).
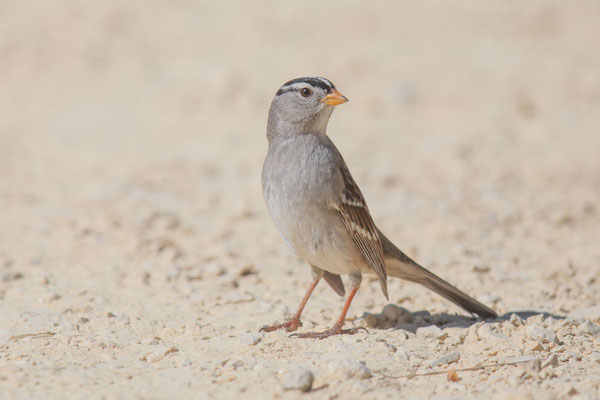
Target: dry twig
(475,367)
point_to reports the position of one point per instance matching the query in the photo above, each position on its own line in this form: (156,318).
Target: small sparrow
(320,211)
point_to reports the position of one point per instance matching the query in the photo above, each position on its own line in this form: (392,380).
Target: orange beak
(334,98)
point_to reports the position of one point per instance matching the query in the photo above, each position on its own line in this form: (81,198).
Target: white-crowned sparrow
(320,211)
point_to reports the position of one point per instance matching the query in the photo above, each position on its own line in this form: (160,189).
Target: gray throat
(315,125)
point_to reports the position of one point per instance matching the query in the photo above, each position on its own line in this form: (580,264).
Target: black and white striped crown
(320,83)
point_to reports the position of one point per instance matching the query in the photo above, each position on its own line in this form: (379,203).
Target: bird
(320,211)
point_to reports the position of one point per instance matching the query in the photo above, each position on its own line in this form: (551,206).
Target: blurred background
(132,135)
(473,127)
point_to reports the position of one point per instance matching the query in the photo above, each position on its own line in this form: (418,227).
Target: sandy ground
(136,256)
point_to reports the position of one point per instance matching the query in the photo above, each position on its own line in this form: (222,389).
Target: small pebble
(403,354)
(566,356)
(160,354)
(232,365)
(515,320)
(250,339)
(402,335)
(551,361)
(590,328)
(472,332)
(534,346)
(490,332)
(536,319)
(392,312)
(453,341)
(550,322)
(367,321)
(548,373)
(595,356)
(346,369)
(447,359)
(245,270)
(537,332)
(573,321)
(431,331)
(531,370)
(298,379)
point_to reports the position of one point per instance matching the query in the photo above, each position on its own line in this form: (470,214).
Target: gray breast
(300,180)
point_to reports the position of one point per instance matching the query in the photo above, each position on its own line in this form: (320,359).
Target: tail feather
(401,266)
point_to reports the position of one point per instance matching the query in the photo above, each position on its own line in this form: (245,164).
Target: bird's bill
(334,98)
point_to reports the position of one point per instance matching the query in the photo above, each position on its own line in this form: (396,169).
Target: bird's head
(302,106)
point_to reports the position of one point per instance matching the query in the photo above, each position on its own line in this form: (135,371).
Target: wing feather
(357,219)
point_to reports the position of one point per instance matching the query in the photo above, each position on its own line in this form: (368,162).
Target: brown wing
(355,214)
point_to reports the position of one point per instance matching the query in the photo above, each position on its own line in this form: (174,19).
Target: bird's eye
(305,92)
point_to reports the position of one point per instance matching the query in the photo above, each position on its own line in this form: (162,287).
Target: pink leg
(336,329)
(294,323)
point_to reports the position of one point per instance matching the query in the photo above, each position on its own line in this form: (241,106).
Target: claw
(290,325)
(335,330)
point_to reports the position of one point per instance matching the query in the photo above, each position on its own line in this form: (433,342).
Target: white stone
(347,369)
(429,332)
(551,361)
(488,331)
(250,339)
(447,359)
(591,328)
(515,320)
(298,378)
(537,332)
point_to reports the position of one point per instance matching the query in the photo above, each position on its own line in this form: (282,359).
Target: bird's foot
(335,330)
(290,325)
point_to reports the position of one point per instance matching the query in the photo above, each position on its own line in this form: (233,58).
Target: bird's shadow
(422,318)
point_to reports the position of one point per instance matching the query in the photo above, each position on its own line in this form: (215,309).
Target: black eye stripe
(283,90)
(314,82)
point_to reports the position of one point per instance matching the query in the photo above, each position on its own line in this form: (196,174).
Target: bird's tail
(401,266)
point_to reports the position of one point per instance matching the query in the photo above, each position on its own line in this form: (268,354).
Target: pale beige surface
(136,256)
